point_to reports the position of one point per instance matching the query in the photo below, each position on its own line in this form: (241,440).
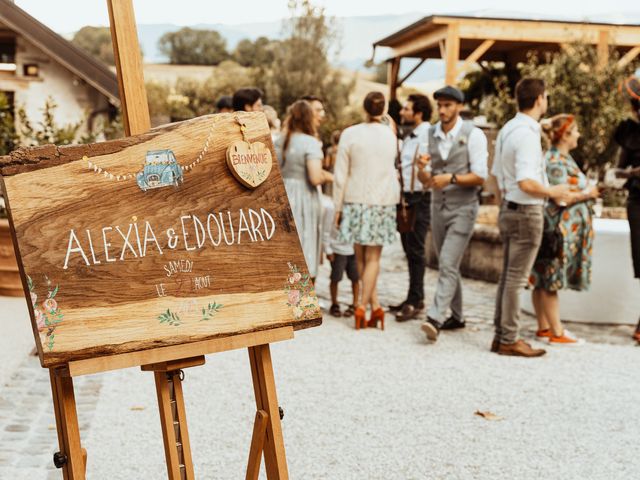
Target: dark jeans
(633,214)
(413,245)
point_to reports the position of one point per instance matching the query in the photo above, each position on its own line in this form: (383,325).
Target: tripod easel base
(267,436)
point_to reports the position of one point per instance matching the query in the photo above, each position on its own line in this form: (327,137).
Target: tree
(381,72)
(260,53)
(189,98)
(96,41)
(576,84)
(301,64)
(189,46)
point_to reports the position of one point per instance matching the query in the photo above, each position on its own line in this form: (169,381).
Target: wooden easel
(167,362)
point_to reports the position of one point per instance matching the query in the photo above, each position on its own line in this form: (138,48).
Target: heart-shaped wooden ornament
(250,163)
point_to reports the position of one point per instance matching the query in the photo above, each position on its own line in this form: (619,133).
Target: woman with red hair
(564,258)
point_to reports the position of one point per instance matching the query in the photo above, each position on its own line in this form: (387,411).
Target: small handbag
(552,245)
(405,213)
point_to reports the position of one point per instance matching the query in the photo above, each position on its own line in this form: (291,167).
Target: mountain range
(357,35)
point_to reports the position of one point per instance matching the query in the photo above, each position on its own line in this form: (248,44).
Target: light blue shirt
(418,139)
(518,156)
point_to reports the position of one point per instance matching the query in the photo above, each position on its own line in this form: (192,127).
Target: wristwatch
(454,179)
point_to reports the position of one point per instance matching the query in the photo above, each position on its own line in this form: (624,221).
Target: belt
(418,192)
(520,206)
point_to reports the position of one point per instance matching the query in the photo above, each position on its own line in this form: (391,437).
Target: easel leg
(173,419)
(257,444)
(264,387)
(72,457)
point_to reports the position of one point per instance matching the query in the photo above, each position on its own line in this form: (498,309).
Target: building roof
(92,71)
(428,23)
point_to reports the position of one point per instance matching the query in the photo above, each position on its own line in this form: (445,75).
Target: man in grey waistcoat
(458,161)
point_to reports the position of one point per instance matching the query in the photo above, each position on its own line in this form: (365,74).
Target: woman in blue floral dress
(564,259)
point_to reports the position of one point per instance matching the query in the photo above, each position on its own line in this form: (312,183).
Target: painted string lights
(97,169)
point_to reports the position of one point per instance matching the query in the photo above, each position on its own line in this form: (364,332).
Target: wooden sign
(149,241)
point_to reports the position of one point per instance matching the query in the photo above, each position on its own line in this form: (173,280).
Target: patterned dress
(572,268)
(368,224)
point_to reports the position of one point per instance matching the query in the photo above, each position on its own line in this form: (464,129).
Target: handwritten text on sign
(193,233)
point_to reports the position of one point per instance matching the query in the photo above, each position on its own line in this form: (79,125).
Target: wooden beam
(453,53)
(475,55)
(392,77)
(413,70)
(177,352)
(133,95)
(443,49)
(420,42)
(603,48)
(629,57)
(547,32)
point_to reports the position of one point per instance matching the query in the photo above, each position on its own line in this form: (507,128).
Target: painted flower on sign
(39,319)
(294,297)
(50,305)
(301,296)
(50,315)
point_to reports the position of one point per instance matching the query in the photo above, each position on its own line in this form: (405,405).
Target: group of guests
(436,173)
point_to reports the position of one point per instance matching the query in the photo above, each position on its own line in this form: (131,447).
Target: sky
(66,16)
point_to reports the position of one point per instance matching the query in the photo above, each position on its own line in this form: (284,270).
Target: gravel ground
(386,405)
(16,340)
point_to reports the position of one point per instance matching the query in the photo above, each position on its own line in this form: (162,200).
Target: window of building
(7,54)
(30,70)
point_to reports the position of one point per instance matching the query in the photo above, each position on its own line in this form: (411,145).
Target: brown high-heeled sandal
(360,318)
(377,316)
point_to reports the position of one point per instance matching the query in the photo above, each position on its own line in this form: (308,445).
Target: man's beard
(447,120)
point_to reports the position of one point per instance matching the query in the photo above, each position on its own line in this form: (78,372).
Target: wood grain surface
(110,268)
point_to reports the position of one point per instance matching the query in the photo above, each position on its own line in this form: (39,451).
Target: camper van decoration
(160,170)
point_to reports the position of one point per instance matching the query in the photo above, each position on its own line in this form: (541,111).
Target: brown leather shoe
(495,344)
(520,349)
(408,312)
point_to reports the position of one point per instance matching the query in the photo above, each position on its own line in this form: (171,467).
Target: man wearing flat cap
(458,158)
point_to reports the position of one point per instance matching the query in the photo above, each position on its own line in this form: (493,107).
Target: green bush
(576,84)
(8,135)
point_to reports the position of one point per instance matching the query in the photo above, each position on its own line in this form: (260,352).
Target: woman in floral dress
(564,259)
(365,193)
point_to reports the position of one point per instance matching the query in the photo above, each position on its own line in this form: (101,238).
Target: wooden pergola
(457,39)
